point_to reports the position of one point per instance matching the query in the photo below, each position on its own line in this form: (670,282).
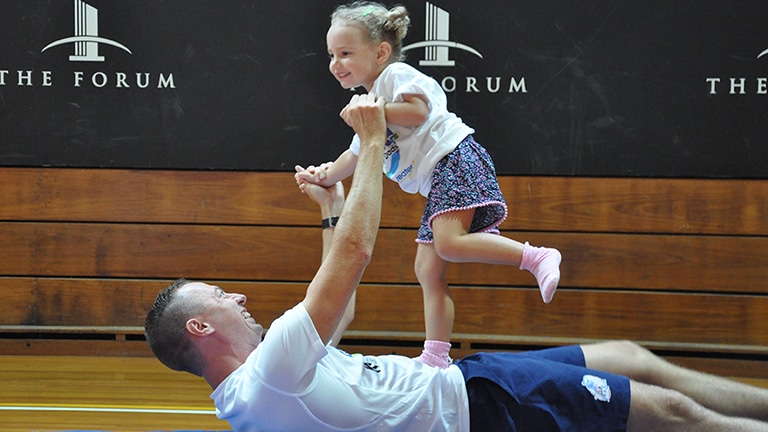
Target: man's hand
(365,113)
(330,199)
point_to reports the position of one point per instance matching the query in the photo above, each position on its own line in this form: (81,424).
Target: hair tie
(369,10)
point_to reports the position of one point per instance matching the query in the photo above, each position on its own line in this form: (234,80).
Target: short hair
(165,330)
(381,24)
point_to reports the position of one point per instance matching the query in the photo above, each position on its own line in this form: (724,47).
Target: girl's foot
(435,353)
(544,263)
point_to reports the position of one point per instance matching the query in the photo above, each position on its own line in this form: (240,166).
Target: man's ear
(383,53)
(199,328)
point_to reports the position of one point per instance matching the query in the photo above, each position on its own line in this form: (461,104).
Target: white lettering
(762,86)
(498,84)
(740,86)
(492,85)
(99,79)
(472,85)
(164,82)
(25,78)
(449,84)
(713,85)
(144,84)
(515,87)
(121,80)
(78,78)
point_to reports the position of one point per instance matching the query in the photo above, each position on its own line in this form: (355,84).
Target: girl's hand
(312,174)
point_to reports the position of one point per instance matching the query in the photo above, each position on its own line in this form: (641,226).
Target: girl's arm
(412,111)
(330,173)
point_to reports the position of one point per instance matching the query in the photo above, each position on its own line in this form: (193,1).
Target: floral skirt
(465,179)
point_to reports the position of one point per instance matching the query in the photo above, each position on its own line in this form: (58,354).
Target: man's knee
(656,408)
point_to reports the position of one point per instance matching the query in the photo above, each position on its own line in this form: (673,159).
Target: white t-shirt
(411,153)
(293,382)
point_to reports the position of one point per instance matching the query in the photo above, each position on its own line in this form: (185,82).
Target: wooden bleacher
(678,265)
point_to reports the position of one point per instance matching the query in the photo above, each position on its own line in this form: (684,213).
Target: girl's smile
(354,60)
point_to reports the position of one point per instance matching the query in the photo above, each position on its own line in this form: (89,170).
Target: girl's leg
(453,243)
(438,305)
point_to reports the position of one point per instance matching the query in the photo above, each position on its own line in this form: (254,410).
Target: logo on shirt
(392,153)
(370,364)
(598,387)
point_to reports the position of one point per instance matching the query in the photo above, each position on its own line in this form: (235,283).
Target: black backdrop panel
(578,87)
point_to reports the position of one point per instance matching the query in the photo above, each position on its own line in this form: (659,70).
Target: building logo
(437,46)
(86,38)
(739,85)
(437,40)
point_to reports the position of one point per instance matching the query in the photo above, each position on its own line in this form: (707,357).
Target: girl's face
(354,60)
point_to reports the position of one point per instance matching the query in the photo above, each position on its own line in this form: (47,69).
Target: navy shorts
(546,390)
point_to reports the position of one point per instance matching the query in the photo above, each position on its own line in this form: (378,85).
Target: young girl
(432,152)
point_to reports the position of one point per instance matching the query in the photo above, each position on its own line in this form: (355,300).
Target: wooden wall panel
(674,318)
(660,262)
(678,264)
(676,206)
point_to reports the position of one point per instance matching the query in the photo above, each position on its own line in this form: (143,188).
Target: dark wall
(587,88)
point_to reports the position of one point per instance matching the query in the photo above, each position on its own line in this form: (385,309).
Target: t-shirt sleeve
(400,79)
(290,351)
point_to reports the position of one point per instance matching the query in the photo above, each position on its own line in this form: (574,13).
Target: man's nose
(239,298)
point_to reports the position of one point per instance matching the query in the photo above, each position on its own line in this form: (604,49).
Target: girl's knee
(447,249)
(429,272)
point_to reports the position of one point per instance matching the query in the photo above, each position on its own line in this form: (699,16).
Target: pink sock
(435,353)
(544,263)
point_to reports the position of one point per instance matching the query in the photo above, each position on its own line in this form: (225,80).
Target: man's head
(189,319)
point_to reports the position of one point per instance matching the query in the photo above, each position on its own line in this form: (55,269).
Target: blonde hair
(381,24)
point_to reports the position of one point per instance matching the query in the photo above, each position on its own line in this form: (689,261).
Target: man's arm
(331,201)
(330,291)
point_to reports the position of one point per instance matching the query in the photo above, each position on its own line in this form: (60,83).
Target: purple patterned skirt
(465,179)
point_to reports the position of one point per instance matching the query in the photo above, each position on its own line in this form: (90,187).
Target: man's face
(225,312)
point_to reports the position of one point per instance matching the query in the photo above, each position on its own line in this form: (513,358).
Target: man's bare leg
(724,396)
(654,408)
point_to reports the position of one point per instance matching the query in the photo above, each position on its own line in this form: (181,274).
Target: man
(292,380)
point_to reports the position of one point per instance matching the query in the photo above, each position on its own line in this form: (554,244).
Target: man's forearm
(354,237)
